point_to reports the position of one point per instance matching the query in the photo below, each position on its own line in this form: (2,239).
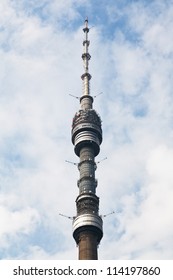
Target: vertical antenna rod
(86,57)
(86,138)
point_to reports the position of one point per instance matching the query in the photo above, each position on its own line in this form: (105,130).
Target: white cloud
(15,220)
(152,226)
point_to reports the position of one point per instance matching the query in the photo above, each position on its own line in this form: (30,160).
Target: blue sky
(132,64)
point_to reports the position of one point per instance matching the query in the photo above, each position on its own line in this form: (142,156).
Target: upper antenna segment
(86,57)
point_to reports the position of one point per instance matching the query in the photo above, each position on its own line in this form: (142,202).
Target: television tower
(86,138)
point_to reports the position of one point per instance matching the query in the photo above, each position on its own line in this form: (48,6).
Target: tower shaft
(87,137)
(88,246)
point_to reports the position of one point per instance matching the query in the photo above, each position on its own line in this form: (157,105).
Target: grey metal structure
(87,137)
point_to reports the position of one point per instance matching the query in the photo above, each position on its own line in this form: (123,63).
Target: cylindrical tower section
(86,102)
(87,232)
(88,246)
(87,167)
(87,204)
(86,131)
(86,83)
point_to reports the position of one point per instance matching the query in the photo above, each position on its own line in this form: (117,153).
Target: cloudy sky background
(132,64)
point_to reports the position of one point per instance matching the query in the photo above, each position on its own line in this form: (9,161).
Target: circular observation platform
(86,130)
(88,222)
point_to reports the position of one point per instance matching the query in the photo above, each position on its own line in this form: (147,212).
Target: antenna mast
(86,57)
